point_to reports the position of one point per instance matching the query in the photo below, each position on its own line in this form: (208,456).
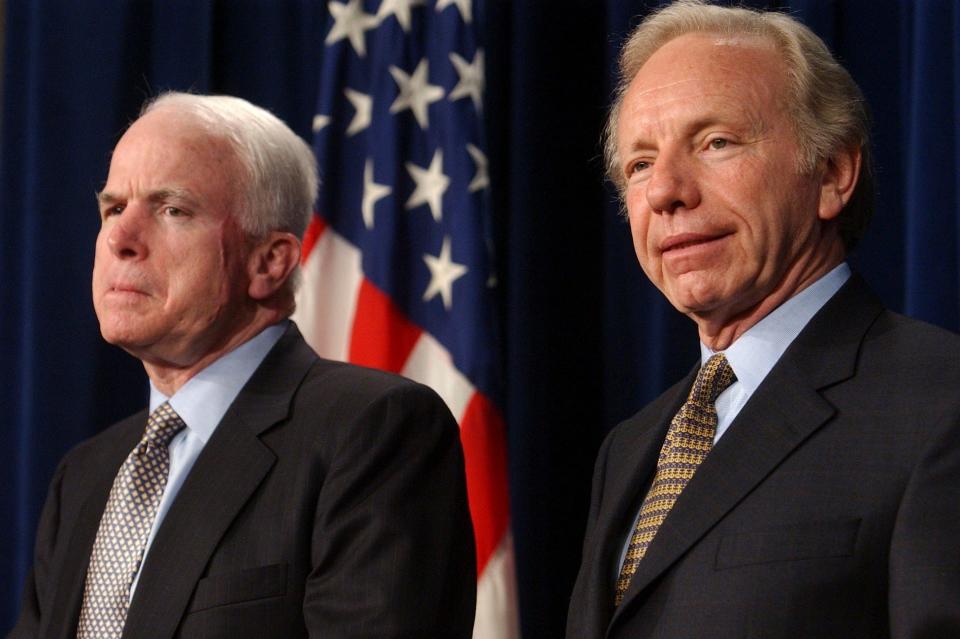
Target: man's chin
(131,340)
(694,302)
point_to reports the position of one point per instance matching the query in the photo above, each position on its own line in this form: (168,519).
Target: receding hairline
(722,37)
(756,42)
(734,23)
(751,42)
(764,31)
(182,121)
(191,136)
(187,127)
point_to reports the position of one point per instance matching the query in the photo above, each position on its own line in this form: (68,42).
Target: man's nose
(126,235)
(672,184)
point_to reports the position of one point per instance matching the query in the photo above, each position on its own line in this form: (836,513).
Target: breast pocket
(807,540)
(241,586)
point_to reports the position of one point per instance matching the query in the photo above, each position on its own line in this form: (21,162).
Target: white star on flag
(471,79)
(431,185)
(350,22)
(372,193)
(482,179)
(462,5)
(443,273)
(399,8)
(416,93)
(319,122)
(363,104)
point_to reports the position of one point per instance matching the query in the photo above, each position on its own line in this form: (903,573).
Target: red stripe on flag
(484,449)
(314,230)
(382,337)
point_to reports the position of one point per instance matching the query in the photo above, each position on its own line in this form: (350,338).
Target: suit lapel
(229,469)
(784,411)
(73,560)
(627,479)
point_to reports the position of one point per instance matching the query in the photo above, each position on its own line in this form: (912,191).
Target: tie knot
(714,378)
(162,425)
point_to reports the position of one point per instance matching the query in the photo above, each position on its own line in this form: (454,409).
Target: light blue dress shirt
(201,403)
(753,355)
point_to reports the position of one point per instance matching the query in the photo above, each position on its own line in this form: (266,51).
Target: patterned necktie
(689,439)
(124,527)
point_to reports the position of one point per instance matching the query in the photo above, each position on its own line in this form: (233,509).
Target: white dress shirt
(201,403)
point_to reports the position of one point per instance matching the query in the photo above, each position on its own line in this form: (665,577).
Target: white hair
(280,185)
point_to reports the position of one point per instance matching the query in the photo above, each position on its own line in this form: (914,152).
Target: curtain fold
(930,233)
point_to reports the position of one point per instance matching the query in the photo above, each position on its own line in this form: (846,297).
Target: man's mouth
(688,240)
(127,289)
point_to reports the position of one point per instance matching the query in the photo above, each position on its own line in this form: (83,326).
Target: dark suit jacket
(829,509)
(329,502)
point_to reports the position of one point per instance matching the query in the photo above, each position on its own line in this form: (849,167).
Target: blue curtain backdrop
(588,339)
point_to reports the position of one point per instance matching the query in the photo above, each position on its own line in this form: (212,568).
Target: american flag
(398,271)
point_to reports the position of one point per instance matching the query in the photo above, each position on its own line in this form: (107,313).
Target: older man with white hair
(266,492)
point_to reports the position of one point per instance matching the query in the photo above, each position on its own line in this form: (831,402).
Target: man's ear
(271,262)
(840,175)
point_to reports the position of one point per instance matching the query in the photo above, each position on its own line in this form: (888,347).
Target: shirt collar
(204,399)
(754,353)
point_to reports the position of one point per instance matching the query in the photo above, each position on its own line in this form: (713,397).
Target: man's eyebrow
(746,121)
(745,118)
(104,198)
(173,193)
(160,195)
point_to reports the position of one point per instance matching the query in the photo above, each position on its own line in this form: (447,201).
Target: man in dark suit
(804,480)
(269,493)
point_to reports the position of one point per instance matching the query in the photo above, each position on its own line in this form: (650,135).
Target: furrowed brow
(174,194)
(106,199)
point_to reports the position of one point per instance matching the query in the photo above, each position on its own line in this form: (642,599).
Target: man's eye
(173,211)
(113,210)
(718,143)
(638,166)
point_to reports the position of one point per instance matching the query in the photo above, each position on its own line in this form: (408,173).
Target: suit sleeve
(392,549)
(925,549)
(37,583)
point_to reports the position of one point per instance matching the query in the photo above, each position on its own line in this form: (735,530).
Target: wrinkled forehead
(708,52)
(165,153)
(697,68)
(166,136)
(172,127)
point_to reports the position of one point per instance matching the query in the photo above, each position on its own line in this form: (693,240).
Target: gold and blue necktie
(689,440)
(125,526)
